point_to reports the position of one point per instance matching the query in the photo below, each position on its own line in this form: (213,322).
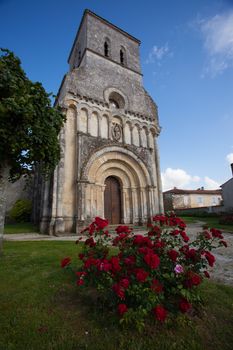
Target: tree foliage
(29,126)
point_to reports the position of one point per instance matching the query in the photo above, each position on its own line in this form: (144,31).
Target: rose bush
(157,274)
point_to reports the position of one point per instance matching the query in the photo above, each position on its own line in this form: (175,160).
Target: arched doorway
(112,200)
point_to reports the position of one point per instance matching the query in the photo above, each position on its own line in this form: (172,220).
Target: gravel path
(222,271)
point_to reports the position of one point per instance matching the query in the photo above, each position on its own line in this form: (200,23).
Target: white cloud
(158,53)
(181,179)
(218,42)
(229,158)
(210,184)
(177,178)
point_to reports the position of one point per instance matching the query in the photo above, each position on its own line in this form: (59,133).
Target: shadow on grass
(42,308)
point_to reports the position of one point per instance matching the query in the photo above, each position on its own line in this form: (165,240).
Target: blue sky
(187,62)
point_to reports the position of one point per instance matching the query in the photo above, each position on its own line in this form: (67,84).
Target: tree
(29,127)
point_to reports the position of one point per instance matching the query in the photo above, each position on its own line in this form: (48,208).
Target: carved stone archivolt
(90,145)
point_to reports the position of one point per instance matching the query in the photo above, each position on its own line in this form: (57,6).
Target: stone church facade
(109,163)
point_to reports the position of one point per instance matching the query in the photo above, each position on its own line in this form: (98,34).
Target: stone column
(142,205)
(88,122)
(110,128)
(92,201)
(135,205)
(99,126)
(147,139)
(159,182)
(59,226)
(123,133)
(140,136)
(150,197)
(131,134)
(102,199)
(124,209)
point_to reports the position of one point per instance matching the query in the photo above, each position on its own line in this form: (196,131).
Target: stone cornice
(106,105)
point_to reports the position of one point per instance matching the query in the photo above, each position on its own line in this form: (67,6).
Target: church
(109,164)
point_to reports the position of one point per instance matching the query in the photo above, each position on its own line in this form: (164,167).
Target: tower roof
(88,12)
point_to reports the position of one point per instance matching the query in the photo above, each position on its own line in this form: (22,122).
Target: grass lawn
(42,308)
(24,227)
(211,222)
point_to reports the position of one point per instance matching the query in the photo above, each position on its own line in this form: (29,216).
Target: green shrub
(21,210)
(198,214)
(157,274)
(226,219)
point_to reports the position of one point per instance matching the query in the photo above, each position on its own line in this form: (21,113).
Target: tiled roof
(198,191)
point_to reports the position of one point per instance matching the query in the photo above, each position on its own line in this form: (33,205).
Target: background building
(184,199)
(227,193)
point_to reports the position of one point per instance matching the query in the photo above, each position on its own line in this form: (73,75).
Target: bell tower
(109,150)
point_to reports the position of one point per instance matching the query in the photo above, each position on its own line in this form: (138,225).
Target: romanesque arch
(138,197)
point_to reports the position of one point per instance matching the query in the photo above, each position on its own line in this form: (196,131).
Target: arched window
(116,100)
(113,103)
(122,57)
(106,49)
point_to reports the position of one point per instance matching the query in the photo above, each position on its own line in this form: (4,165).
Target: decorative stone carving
(116,132)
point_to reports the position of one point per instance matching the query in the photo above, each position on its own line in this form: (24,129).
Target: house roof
(198,191)
(231,179)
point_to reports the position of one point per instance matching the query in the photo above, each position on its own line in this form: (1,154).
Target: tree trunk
(4,173)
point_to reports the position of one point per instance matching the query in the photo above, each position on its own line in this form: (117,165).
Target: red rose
(184,236)
(104,265)
(115,261)
(162,219)
(184,305)
(81,256)
(145,250)
(156,286)
(91,262)
(160,313)
(80,282)
(175,232)
(130,260)
(184,249)
(152,260)
(65,262)
(210,258)
(124,283)
(100,223)
(141,275)
(223,243)
(159,245)
(122,229)
(90,242)
(119,291)
(81,274)
(173,254)
(142,241)
(138,240)
(91,228)
(193,255)
(216,233)
(206,234)
(207,274)
(122,309)
(193,279)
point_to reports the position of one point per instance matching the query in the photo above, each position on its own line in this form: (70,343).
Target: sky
(187,63)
